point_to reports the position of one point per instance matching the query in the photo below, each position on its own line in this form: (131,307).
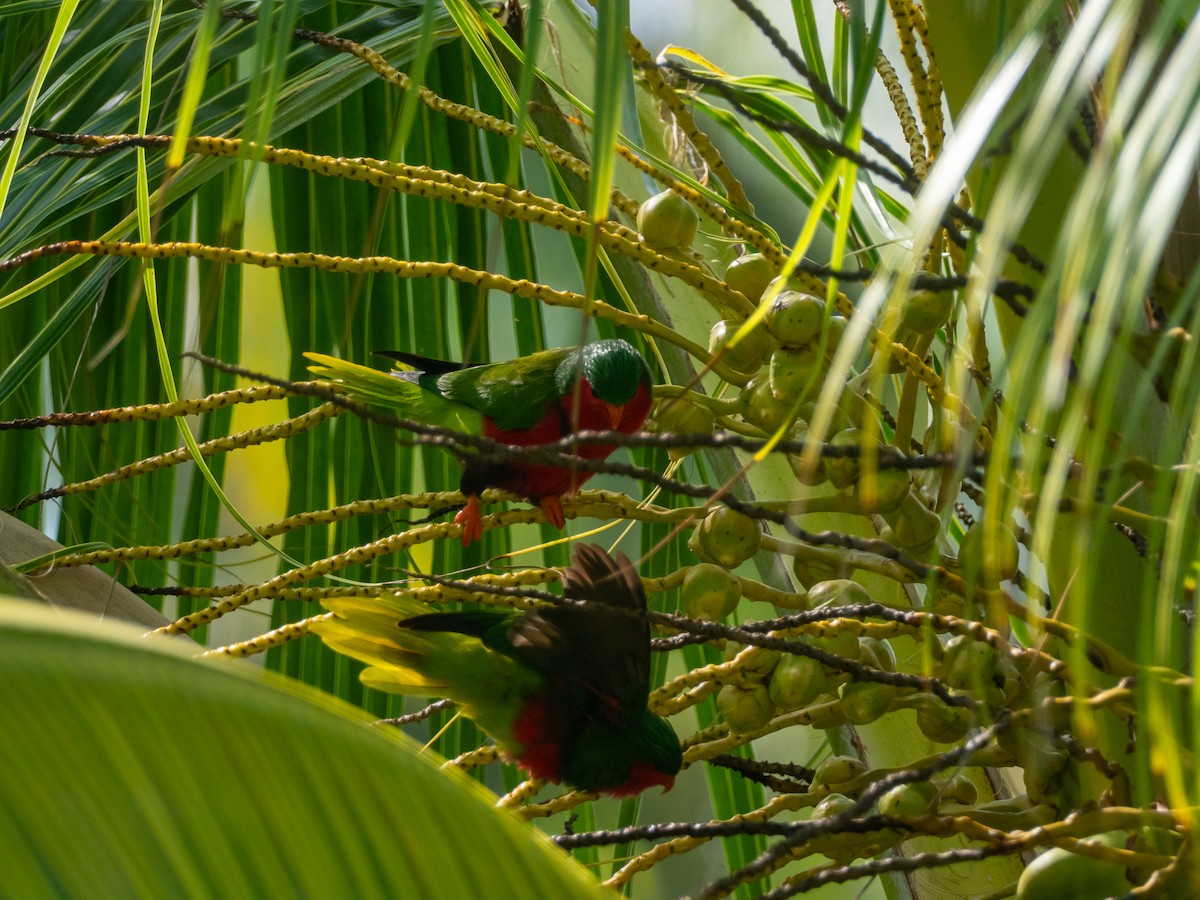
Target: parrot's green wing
(407,398)
(490,687)
(513,394)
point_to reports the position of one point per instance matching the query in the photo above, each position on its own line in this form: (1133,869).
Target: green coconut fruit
(744,709)
(816,564)
(924,312)
(726,537)
(916,799)
(748,354)
(832,805)
(941,723)
(876,652)
(960,789)
(676,415)
(967,663)
(836,771)
(795,318)
(882,491)
(667,222)
(843,471)
(760,407)
(837,592)
(865,701)
(998,559)
(750,274)
(835,327)
(794,373)
(1059,874)
(709,592)
(797,681)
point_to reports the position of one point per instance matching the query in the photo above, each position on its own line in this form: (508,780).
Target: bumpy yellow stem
(644,63)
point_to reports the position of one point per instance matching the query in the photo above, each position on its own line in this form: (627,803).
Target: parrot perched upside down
(561,689)
(529,401)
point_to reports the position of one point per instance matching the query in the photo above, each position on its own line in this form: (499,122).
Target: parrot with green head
(561,689)
(525,402)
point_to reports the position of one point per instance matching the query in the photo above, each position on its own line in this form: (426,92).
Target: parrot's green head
(614,370)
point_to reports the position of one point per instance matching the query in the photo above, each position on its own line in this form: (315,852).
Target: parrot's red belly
(535,480)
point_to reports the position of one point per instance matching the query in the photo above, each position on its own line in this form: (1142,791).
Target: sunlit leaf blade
(132,769)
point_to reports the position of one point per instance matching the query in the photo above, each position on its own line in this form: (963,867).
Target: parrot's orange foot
(470,517)
(552,507)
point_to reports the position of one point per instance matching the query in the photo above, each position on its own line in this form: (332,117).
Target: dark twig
(871,868)
(783,778)
(843,821)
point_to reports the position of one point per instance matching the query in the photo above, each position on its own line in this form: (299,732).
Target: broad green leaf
(133,769)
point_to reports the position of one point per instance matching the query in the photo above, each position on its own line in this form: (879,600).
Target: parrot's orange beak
(615,413)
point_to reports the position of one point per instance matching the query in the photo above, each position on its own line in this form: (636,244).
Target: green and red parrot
(526,402)
(562,690)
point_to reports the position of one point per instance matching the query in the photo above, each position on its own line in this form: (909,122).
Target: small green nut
(797,681)
(995,560)
(839,642)
(676,415)
(924,312)
(915,527)
(942,724)
(1058,873)
(750,274)
(959,789)
(942,602)
(812,473)
(832,805)
(709,592)
(813,565)
(968,664)
(939,437)
(824,716)
(877,653)
(760,408)
(882,491)
(760,663)
(1040,761)
(835,327)
(843,471)
(744,709)
(837,592)
(916,799)
(795,372)
(809,475)
(838,421)
(748,354)
(667,222)
(795,318)
(726,537)
(835,771)
(865,701)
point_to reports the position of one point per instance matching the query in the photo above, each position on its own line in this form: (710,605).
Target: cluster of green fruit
(771,681)
(843,778)
(783,365)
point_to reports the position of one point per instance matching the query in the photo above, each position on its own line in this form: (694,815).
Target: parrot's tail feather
(395,391)
(490,687)
(401,681)
(402,660)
